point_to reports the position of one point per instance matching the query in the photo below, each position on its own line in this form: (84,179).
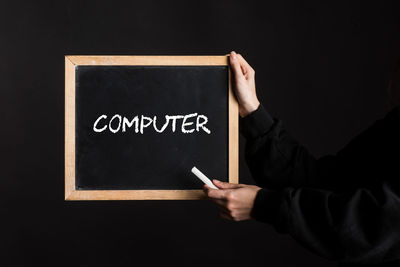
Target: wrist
(248,108)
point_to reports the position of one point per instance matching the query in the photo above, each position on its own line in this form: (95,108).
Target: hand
(244,85)
(235,201)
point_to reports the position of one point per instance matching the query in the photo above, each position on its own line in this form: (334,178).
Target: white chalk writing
(186,123)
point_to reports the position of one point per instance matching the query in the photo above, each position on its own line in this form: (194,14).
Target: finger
(235,64)
(223,210)
(221,204)
(247,69)
(215,193)
(225,216)
(244,63)
(244,70)
(205,189)
(224,185)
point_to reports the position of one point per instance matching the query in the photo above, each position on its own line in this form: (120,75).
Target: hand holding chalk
(203,178)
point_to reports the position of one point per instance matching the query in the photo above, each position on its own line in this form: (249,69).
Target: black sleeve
(275,159)
(344,207)
(361,226)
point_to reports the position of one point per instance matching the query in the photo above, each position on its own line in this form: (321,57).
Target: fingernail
(233,54)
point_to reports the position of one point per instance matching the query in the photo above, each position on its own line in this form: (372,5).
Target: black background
(321,66)
(150,160)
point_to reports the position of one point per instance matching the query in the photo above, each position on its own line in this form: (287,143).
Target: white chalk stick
(203,178)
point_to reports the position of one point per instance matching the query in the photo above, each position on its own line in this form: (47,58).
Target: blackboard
(136,125)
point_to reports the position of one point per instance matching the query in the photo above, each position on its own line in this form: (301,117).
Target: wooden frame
(72,61)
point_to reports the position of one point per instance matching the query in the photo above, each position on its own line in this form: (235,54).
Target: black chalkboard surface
(141,128)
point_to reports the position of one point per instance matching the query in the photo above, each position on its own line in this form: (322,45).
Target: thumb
(235,65)
(223,185)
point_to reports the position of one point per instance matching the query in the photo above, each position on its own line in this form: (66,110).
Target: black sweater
(344,207)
